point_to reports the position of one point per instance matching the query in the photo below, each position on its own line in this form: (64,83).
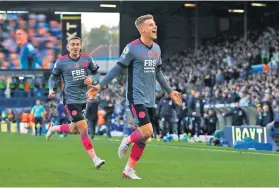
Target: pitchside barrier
(261,138)
(234,134)
(22,128)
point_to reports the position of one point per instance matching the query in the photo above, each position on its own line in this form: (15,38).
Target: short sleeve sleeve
(126,57)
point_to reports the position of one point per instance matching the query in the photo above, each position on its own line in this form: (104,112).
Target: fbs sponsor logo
(150,66)
(78,74)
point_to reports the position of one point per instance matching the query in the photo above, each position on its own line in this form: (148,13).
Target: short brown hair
(142,19)
(73,38)
(24,30)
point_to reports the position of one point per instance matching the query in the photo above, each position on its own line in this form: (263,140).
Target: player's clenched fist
(175,96)
(51,94)
(93,91)
(88,81)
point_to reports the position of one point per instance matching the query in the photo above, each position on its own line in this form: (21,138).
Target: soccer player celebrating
(78,72)
(28,55)
(142,59)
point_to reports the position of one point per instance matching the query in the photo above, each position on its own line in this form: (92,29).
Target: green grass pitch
(30,161)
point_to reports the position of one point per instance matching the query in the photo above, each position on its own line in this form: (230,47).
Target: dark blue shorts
(143,115)
(75,112)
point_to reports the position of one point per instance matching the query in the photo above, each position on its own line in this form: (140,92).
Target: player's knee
(151,131)
(74,130)
(82,126)
(147,130)
(82,130)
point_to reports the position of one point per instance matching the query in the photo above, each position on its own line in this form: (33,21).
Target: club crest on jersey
(156,54)
(150,53)
(76,65)
(84,64)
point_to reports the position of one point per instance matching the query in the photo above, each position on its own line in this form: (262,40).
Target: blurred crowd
(222,62)
(44,33)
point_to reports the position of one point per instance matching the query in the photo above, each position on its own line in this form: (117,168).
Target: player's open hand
(175,96)
(88,81)
(51,94)
(93,91)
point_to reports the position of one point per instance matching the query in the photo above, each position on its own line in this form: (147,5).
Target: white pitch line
(202,149)
(216,150)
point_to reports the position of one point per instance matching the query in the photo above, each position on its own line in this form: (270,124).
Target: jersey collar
(149,47)
(74,59)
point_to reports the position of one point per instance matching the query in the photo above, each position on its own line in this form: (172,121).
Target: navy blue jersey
(29,57)
(142,63)
(73,73)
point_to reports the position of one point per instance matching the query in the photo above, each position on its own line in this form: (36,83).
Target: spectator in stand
(259,118)
(217,99)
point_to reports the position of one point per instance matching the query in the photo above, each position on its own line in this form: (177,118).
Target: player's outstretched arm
(124,62)
(175,96)
(52,82)
(114,72)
